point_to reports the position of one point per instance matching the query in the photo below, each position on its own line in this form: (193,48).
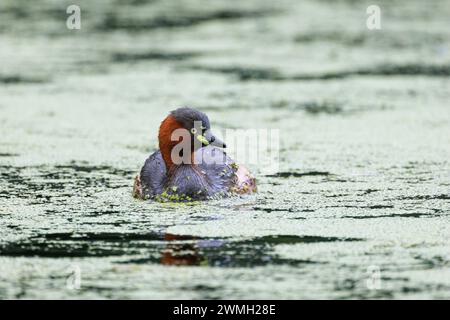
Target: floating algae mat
(360,207)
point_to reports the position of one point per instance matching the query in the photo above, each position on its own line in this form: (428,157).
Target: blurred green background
(364,124)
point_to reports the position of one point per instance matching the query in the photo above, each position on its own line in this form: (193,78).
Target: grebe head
(196,125)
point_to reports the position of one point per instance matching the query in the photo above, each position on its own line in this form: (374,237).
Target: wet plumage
(210,174)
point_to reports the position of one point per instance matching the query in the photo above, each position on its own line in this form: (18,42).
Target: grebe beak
(212,140)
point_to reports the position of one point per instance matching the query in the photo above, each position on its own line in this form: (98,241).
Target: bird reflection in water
(186,250)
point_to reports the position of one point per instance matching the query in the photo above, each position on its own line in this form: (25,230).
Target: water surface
(364,121)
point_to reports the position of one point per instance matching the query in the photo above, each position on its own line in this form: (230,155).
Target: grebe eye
(193,131)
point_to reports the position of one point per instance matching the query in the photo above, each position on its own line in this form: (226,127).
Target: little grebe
(198,170)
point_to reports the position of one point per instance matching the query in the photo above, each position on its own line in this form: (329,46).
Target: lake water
(360,208)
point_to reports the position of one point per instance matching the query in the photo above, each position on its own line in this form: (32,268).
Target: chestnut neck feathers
(169,125)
